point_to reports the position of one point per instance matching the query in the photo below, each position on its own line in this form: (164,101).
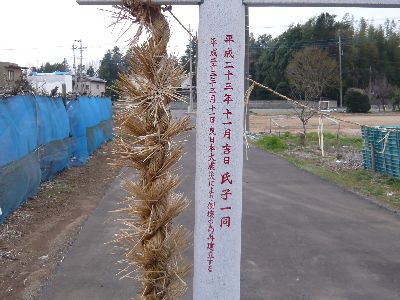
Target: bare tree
(382,91)
(310,72)
(396,99)
(18,87)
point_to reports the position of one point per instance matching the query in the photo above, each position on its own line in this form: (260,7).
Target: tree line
(370,55)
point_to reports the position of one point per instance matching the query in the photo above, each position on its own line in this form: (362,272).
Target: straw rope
(147,134)
(169,9)
(385,139)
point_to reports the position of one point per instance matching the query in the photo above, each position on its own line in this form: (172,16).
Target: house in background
(49,81)
(10,74)
(91,86)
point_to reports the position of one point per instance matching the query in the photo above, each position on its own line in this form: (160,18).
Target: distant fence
(253,104)
(39,137)
(381,151)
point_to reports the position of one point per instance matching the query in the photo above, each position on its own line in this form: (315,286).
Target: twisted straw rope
(152,244)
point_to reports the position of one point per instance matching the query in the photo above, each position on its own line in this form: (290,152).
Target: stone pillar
(219,150)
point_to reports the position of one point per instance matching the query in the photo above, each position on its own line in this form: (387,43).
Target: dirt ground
(264,122)
(34,239)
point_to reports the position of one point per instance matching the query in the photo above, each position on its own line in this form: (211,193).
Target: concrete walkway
(303,239)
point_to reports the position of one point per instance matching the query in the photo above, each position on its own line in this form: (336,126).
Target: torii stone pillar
(219,146)
(219,150)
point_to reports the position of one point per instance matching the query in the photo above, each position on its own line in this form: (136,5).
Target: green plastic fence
(382,149)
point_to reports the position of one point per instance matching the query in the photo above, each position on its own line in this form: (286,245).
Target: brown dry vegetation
(290,123)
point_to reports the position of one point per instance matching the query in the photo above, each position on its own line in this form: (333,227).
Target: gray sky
(34,32)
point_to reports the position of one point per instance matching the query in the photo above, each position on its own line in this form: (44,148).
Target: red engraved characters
(227,119)
(225,222)
(226,178)
(213,76)
(220,146)
(229,39)
(226,193)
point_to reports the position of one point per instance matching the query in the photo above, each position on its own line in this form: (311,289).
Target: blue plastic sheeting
(53,137)
(18,181)
(86,117)
(79,152)
(97,135)
(53,123)
(26,122)
(18,134)
(54,157)
(95,110)
(34,146)
(39,138)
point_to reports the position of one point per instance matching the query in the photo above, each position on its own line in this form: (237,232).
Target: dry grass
(290,123)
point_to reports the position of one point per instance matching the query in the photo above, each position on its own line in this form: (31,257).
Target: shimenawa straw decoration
(151,243)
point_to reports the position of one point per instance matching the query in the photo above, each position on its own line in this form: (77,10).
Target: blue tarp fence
(91,125)
(39,137)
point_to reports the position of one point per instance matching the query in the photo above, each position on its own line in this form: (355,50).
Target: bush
(357,101)
(272,143)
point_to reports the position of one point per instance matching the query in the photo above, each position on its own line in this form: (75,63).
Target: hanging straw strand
(152,244)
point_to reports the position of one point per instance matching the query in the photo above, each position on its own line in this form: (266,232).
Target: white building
(91,86)
(48,81)
(186,83)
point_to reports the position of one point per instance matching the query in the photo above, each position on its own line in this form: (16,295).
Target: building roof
(94,79)
(9,65)
(53,73)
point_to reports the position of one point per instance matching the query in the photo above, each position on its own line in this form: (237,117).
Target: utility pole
(81,62)
(340,71)
(74,47)
(190,108)
(81,49)
(74,82)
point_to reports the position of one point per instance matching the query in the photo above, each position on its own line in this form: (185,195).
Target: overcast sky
(33,32)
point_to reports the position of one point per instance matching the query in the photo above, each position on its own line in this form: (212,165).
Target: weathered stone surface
(220,95)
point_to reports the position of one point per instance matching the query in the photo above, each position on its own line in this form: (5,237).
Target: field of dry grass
(272,122)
